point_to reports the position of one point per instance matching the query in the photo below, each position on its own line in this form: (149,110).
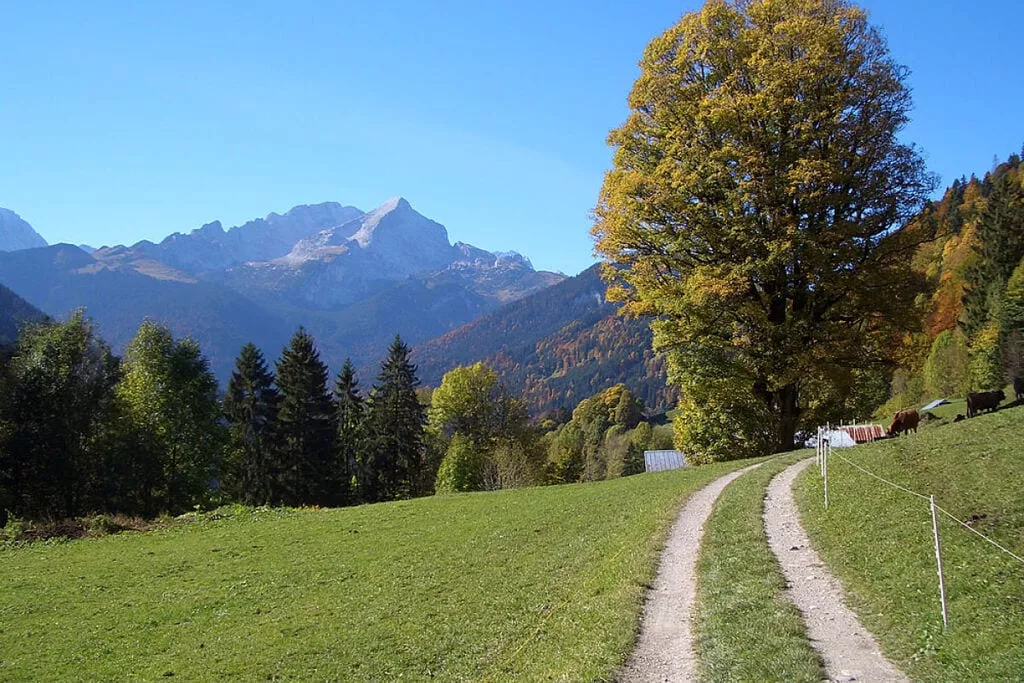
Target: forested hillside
(556,348)
(14,311)
(972,312)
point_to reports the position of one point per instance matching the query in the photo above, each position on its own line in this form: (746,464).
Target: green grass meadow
(532,584)
(746,627)
(878,540)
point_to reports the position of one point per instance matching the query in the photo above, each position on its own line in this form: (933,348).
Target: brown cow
(983,400)
(1018,388)
(904,421)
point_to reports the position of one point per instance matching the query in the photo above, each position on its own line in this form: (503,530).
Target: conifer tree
(393,463)
(305,423)
(351,435)
(251,409)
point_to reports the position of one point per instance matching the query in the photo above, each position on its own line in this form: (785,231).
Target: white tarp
(660,461)
(840,439)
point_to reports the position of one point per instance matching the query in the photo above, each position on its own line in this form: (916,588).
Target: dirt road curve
(665,649)
(850,653)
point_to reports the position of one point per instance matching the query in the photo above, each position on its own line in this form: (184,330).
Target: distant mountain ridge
(16,233)
(556,347)
(354,279)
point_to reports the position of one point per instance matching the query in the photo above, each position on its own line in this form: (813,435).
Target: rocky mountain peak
(16,233)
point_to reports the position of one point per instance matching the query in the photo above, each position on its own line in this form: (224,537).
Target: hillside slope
(14,312)
(530,584)
(878,540)
(556,347)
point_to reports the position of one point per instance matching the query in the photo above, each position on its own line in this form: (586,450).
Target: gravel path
(665,651)
(849,651)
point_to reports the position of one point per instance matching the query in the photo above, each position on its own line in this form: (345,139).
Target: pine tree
(351,436)
(999,249)
(393,462)
(251,407)
(305,423)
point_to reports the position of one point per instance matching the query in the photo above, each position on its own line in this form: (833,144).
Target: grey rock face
(17,234)
(212,248)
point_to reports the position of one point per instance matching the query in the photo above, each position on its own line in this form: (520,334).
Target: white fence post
(828,450)
(938,561)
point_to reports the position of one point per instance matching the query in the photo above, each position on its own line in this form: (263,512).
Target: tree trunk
(787,409)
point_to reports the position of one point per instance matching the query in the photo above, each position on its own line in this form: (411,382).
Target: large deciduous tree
(755,205)
(169,397)
(54,396)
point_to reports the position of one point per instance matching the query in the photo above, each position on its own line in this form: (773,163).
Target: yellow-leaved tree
(755,208)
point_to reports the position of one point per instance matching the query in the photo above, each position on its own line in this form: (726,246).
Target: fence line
(978,533)
(824,453)
(938,507)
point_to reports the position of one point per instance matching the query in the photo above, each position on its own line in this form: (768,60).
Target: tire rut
(849,651)
(665,649)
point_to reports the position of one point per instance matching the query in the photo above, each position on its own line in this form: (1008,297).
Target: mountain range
(353,279)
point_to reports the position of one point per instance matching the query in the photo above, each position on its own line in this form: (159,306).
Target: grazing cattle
(904,421)
(1018,388)
(977,402)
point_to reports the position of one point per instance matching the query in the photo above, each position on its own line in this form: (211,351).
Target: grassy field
(879,541)
(747,630)
(541,583)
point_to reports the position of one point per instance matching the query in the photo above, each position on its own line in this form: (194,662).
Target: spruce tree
(305,424)
(392,465)
(251,409)
(351,434)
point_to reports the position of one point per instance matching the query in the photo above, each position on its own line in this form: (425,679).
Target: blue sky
(128,121)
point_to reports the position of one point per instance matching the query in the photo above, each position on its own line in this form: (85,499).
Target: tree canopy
(755,204)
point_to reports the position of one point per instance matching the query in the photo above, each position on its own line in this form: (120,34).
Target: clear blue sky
(125,121)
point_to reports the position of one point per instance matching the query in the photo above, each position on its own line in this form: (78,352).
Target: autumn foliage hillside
(971,334)
(556,348)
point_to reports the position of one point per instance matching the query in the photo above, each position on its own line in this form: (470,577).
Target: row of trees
(84,431)
(293,441)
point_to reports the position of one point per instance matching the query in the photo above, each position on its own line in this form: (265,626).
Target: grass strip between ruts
(746,627)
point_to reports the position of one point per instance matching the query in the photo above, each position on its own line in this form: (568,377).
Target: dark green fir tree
(351,437)
(250,407)
(305,424)
(393,462)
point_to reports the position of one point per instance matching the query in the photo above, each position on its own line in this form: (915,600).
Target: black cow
(1018,388)
(977,402)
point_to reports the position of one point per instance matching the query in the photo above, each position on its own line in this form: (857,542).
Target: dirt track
(848,650)
(665,651)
